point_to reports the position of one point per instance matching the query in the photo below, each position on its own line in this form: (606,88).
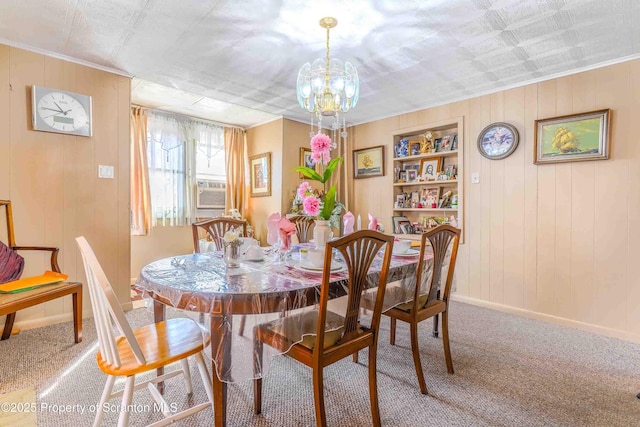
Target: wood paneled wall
(558,242)
(52,178)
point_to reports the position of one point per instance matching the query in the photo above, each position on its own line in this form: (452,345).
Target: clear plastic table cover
(276,289)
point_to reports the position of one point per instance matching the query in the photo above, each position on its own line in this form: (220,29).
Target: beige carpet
(510,371)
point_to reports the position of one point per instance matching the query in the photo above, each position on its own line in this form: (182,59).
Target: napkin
(286,229)
(347,220)
(272,228)
(373,223)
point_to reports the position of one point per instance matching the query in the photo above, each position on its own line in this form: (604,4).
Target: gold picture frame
(368,162)
(572,138)
(429,168)
(260,168)
(305,160)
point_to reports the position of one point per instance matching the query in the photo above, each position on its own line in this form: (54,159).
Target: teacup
(401,246)
(316,258)
(254,253)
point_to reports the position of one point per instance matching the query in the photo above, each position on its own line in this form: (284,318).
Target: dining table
(259,291)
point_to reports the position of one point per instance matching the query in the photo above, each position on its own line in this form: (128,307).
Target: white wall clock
(61,111)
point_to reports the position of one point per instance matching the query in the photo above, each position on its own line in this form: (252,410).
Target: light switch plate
(475,178)
(105,171)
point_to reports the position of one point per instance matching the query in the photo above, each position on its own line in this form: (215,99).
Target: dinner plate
(304,266)
(409,253)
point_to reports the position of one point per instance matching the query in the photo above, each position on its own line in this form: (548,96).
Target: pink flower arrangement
(319,205)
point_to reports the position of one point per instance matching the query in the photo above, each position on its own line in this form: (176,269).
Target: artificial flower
(311,205)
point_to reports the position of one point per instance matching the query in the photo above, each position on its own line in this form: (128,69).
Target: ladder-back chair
(426,302)
(329,346)
(11,303)
(304,224)
(215,229)
(140,350)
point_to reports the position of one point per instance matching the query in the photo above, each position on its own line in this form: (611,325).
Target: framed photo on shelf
(572,138)
(412,174)
(397,222)
(431,196)
(368,162)
(260,167)
(445,144)
(414,148)
(429,168)
(402,176)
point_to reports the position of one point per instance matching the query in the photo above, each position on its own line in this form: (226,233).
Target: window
(181,150)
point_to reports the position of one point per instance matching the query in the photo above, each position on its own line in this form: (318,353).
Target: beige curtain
(140,196)
(235,148)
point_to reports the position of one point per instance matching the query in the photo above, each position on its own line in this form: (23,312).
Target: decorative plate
(498,141)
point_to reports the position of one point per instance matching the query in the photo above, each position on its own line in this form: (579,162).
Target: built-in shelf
(426,156)
(426,183)
(424,209)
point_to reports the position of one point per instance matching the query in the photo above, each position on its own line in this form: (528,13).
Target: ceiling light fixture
(328,87)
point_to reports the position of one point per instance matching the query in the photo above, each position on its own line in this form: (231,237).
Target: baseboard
(58,318)
(588,327)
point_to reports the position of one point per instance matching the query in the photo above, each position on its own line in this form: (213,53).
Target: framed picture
(402,176)
(411,175)
(414,148)
(572,138)
(305,160)
(260,166)
(430,197)
(368,162)
(498,141)
(429,168)
(444,144)
(397,221)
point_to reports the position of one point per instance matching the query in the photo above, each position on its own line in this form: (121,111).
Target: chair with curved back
(426,302)
(140,350)
(11,303)
(215,229)
(304,225)
(336,337)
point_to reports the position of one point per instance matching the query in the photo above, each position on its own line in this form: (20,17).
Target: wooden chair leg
(416,357)
(445,341)
(257,367)
(373,387)
(8,326)
(355,357)
(206,377)
(243,320)
(77,316)
(392,332)
(123,420)
(108,387)
(318,396)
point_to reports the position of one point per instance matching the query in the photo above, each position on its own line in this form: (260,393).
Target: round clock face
(62,112)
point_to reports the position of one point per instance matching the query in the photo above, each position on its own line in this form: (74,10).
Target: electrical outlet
(105,171)
(475,178)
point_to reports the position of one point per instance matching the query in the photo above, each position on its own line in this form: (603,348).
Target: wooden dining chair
(10,304)
(136,351)
(336,337)
(426,302)
(304,225)
(215,229)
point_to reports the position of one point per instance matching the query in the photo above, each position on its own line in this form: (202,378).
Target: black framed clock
(61,111)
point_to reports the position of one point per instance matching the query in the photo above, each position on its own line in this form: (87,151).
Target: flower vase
(232,254)
(321,233)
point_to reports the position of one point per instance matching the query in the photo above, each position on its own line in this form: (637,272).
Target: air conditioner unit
(211,195)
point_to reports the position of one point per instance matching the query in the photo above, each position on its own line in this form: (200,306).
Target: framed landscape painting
(260,167)
(368,162)
(572,138)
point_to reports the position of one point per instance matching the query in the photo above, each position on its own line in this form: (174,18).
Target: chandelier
(328,87)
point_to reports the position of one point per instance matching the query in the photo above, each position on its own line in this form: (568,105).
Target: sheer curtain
(235,146)
(171,157)
(140,196)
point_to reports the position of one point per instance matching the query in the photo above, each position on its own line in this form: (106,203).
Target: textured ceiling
(409,54)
